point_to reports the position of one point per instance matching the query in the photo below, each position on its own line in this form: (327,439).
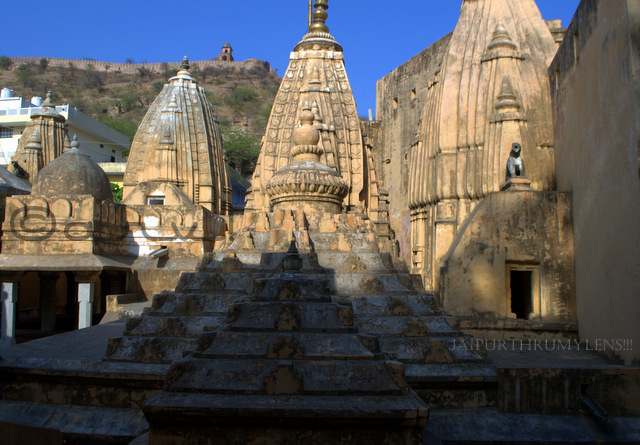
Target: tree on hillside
(207,72)
(92,79)
(5,62)
(44,63)
(242,149)
(26,77)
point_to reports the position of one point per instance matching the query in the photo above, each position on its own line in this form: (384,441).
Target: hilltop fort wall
(133,68)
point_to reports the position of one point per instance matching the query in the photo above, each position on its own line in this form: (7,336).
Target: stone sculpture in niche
(515,164)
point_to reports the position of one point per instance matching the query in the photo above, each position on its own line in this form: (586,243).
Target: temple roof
(73,173)
(179,141)
(48,109)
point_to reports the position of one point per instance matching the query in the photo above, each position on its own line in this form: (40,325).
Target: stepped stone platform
(347,338)
(343,311)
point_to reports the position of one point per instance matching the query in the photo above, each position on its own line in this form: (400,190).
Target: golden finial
(319,17)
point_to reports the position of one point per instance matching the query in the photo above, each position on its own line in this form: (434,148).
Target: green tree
(157,86)
(240,95)
(116,190)
(92,79)
(242,149)
(44,63)
(5,62)
(122,124)
(26,77)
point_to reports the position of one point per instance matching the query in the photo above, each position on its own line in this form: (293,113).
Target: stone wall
(36,225)
(400,100)
(132,68)
(520,230)
(185,229)
(595,80)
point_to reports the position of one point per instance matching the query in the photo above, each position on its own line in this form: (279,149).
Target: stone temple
(462,270)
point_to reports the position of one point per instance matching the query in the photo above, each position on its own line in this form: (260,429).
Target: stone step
(286,345)
(150,349)
(336,262)
(39,422)
(422,350)
(397,305)
(315,377)
(208,282)
(278,241)
(174,326)
(191,304)
(369,283)
(512,328)
(290,316)
(406,326)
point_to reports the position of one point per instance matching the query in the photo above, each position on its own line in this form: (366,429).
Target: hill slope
(120,94)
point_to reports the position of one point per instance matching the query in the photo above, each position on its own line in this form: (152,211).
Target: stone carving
(515,164)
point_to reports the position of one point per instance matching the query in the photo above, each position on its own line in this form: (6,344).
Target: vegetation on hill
(242,98)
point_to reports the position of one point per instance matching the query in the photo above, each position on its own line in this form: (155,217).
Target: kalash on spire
(316,76)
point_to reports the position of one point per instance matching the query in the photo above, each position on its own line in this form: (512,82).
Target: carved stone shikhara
(484,97)
(179,142)
(43,140)
(316,77)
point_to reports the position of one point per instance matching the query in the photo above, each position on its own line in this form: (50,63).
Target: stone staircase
(340,251)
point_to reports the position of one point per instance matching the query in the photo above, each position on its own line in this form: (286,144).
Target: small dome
(73,173)
(226,45)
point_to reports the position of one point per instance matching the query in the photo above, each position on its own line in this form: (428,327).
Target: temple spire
(319,17)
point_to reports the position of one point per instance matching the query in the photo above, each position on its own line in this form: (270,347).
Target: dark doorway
(521,293)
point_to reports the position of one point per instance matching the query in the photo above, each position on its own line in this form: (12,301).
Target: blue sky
(377,35)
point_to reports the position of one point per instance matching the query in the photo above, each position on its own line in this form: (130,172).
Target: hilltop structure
(227,53)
